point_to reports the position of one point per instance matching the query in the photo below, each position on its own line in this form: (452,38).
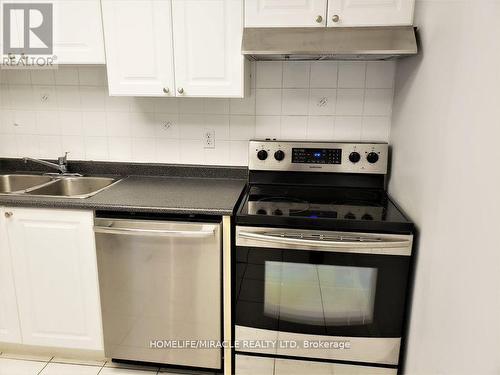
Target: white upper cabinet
(333,13)
(55,275)
(78,37)
(285,13)
(207,47)
(139,50)
(9,318)
(370,12)
(143,36)
(77,30)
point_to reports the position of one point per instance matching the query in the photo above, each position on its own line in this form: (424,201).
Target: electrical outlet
(209,138)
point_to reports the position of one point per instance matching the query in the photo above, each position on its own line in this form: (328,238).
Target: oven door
(319,294)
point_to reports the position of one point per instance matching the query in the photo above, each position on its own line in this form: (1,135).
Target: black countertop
(180,190)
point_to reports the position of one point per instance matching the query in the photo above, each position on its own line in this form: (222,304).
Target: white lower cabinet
(9,317)
(54,266)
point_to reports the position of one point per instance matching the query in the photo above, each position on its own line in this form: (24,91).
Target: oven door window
(322,295)
(325,293)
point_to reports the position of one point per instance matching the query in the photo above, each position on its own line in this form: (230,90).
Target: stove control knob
(262,155)
(279,155)
(261,211)
(367,217)
(354,157)
(372,157)
(278,212)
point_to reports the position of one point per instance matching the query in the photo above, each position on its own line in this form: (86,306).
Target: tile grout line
(104,364)
(46,364)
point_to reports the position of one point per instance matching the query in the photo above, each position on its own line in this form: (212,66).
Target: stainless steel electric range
(322,259)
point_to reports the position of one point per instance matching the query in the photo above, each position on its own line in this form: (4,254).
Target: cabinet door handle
(166,90)
(319,19)
(180,90)
(335,18)
(8,214)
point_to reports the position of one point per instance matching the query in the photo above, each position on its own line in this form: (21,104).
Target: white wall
(446,174)
(319,101)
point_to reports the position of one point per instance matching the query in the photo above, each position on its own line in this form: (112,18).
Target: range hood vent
(329,43)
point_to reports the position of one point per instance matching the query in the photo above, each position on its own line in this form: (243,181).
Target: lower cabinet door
(9,318)
(55,272)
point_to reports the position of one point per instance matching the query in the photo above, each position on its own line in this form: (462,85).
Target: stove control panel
(273,155)
(317,155)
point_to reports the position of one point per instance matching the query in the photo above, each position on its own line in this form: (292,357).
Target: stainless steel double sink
(53,186)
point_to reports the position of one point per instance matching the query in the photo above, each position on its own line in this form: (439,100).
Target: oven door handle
(343,245)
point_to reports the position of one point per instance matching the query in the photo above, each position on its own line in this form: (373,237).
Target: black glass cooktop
(328,207)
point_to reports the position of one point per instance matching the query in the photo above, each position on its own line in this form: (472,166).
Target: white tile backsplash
(320,128)
(324,74)
(43,113)
(350,102)
(352,75)
(376,128)
(268,101)
(378,102)
(322,102)
(294,128)
(269,74)
(65,75)
(379,75)
(120,148)
(241,127)
(348,128)
(295,102)
(296,75)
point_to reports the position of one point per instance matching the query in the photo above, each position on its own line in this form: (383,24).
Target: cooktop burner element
(317,184)
(316,203)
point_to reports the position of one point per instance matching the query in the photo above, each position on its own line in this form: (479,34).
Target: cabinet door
(55,273)
(139,52)
(9,318)
(77,30)
(207,45)
(370,13)
(78,35)
(285,13)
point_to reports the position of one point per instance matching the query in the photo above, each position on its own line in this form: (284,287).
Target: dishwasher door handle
(155,232)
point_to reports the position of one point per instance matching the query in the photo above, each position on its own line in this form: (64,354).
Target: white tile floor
(20,364)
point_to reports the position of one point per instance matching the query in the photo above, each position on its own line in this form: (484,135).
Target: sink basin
(13,183)
(73,187)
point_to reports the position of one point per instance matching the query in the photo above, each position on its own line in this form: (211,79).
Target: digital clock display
(317,155)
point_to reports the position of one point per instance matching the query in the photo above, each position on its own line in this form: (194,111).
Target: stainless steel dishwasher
(160,284)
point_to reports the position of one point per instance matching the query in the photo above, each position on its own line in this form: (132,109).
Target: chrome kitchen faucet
(61,166)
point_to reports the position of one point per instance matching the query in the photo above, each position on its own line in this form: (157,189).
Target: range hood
(329,43)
